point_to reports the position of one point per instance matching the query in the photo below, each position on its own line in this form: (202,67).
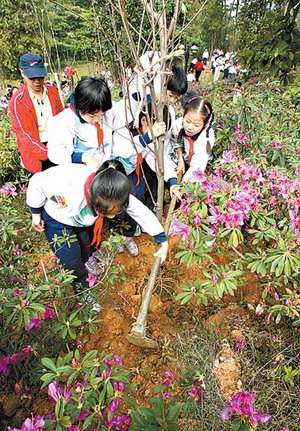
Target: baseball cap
(32,65)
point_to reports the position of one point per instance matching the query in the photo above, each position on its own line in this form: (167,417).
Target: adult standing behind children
(30,109)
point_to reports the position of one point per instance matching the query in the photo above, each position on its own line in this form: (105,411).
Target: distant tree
(268,36)
(19,34)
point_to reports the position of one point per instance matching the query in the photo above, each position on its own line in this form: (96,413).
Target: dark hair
(177,81)
(149,109)
(92,95)
(191,102)
(110,187)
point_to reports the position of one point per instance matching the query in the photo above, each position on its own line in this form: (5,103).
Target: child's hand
(174,191)
(159,128)
(162,251)
(37,223)
(90,160)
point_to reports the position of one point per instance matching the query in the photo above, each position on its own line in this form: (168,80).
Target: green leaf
(148,413)
(187,298)
(137,419)
(87,421)
(131,402)
(173,412)
(48,363)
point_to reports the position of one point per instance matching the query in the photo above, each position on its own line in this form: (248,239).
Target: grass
(262,371)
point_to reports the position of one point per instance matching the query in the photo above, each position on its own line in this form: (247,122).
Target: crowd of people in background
(220,62)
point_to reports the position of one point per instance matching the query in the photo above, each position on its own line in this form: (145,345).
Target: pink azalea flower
(295,219)
(196,393)
(240,345)
(25,352)
(82,415)
(114,405)
(215,278)
(4,362)
(35,322)
(259,309)
(179,228)
(34,424)
(91,279)
(169,375)
(117,359)
(48,313)
(55,392)
(17,293)
(119,386)
(242,403)
(197,220)
(166,396)
(8,190)
(215,215)
(228,157)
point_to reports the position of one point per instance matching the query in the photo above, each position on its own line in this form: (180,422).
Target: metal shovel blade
(141,340)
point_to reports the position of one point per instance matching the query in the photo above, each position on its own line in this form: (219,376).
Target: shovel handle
(171,207)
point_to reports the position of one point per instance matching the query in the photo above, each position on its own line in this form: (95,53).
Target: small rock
(10,404)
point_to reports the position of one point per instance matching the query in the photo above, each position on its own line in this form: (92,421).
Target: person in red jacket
(198,67)
(29,110)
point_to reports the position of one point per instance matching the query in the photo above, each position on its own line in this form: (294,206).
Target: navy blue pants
(137,191)
(74,255)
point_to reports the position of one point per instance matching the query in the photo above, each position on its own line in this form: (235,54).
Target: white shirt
(43,112)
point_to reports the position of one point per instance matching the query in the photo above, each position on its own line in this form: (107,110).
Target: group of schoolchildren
(225,63)
(87,161)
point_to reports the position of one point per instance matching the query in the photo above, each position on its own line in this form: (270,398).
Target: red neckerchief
(139,161)
(99,220)
(99,131)
(191,149)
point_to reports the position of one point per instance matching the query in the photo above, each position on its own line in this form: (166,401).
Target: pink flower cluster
(196,392)
(13,359)
(33,424)
(8,190)
(242,403)
(244,188)
(55,392)
(117,423)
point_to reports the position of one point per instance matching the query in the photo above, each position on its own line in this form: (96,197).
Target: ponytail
(208,127)
(110,187)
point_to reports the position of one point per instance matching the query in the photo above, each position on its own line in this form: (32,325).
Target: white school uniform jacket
(126,148)
(60,190)
(69,137)
(200,157)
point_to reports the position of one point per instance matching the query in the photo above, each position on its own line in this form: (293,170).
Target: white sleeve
(124,145)
(170,159)
(146,60)
(176,129)
(61,132)
(200,156)
(144,217)
(35,195)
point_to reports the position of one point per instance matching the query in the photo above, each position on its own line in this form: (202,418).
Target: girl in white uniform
(73,197)
(196,137)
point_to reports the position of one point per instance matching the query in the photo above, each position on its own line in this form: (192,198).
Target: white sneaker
(137,230)
(96,307)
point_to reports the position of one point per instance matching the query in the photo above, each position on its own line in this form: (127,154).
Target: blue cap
(32,65)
